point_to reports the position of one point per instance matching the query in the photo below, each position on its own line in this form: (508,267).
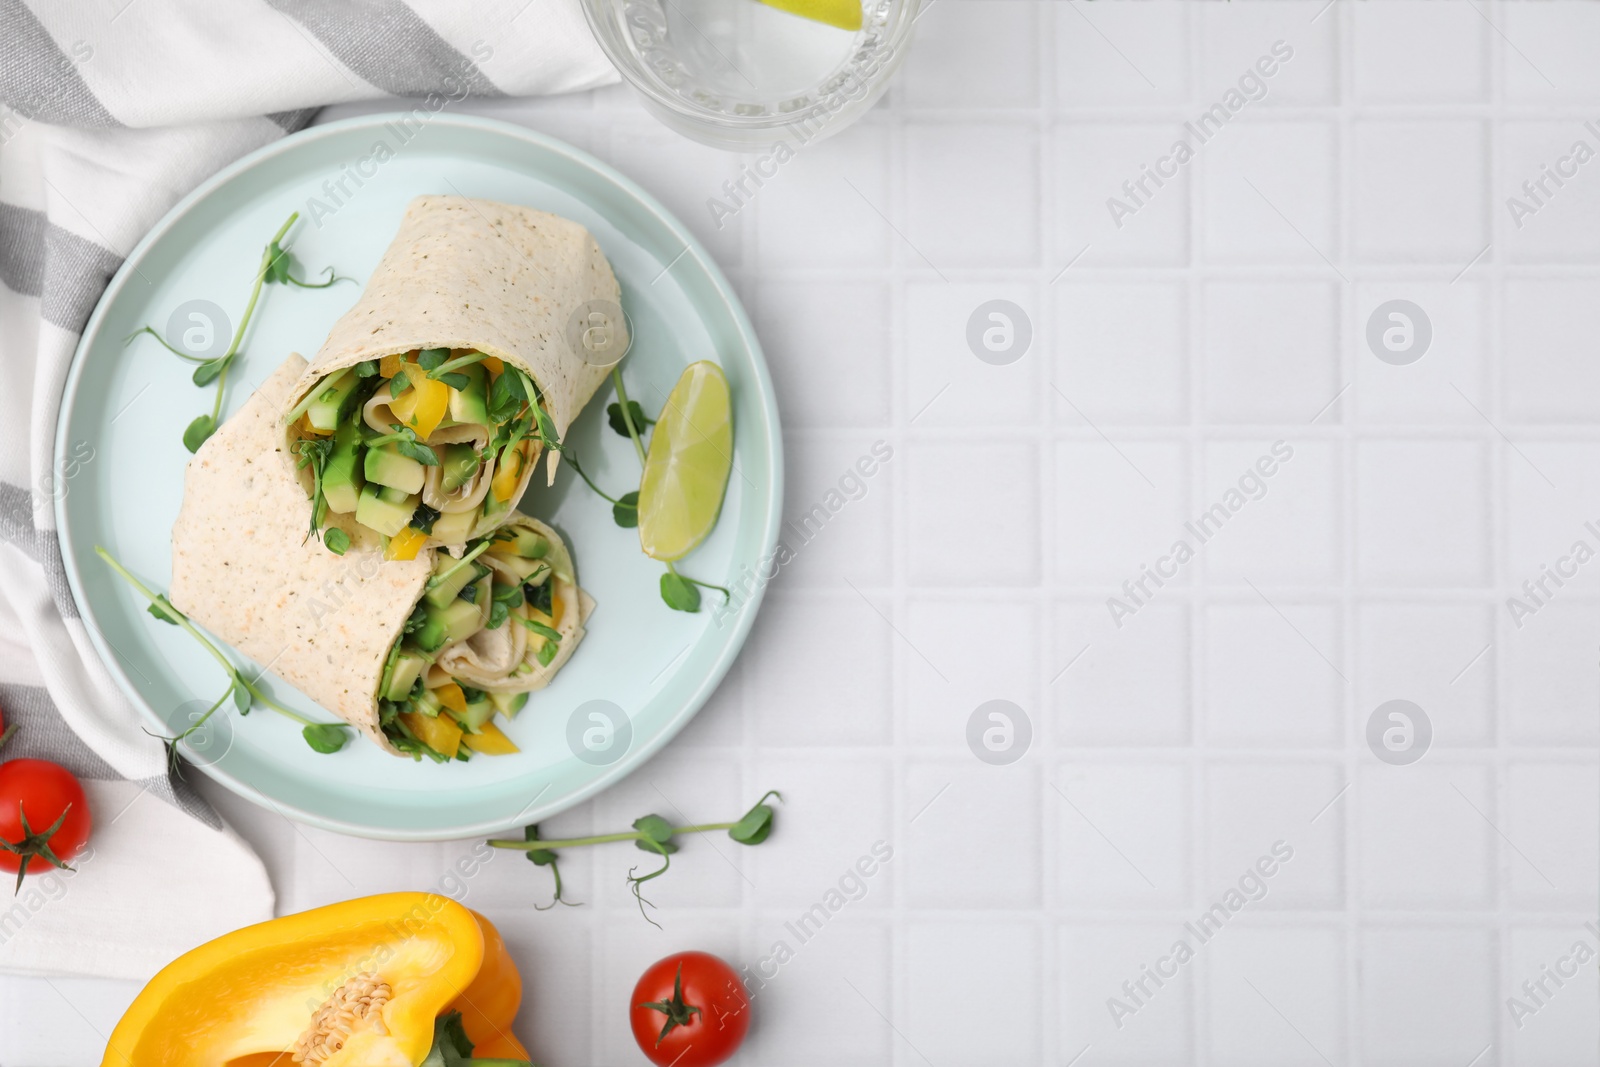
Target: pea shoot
(651,833)
(323,737)
(276,267)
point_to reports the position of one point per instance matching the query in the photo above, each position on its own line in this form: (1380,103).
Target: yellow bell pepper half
(254,997)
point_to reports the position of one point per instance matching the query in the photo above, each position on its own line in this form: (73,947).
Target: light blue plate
(130,403)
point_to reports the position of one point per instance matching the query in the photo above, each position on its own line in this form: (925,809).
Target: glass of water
(741,75)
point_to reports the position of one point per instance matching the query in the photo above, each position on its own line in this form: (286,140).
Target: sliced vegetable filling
(487,620)
(432,443)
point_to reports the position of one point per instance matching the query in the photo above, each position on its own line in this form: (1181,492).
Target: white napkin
(107,120)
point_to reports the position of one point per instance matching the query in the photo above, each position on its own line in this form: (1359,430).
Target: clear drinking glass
(741,75)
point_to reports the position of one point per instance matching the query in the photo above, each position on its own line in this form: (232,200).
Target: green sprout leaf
(619,424)
(199,431)
(207,372)
(326,737)
(336,540)
(162,609)
(657,834)
(679,593)
(755,826)
(625,512)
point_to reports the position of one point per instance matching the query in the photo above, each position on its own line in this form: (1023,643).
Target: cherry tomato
(689,1009)
(44,816)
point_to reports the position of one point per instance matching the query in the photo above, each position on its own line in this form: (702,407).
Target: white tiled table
(1229,711)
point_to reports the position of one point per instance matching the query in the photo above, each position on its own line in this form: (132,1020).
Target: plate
(642,671)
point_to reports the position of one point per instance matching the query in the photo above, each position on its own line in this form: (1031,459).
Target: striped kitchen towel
(109,113)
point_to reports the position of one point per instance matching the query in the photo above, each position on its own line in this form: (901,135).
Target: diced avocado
(386,516)
(456,621)
(342,480)
(457,465)
(454,527)
(508,704)
(386,466)
(478,712)
(524,542)
(407,668)
(334,400)
(470,404)
(447,590)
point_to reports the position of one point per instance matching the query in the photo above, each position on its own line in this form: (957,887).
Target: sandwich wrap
(530,289)
(245,568)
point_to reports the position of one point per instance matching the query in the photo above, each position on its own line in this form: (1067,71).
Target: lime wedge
(845,14)
(686,473)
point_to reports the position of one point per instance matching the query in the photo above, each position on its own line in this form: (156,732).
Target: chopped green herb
(336,540)
(541,629)
(424,518)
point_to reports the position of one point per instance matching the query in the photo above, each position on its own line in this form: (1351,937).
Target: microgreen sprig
(651,833)
(314,452)
(321,736)
(274,267)
(406,442)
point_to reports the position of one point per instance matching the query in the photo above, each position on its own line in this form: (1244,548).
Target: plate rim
(772,506)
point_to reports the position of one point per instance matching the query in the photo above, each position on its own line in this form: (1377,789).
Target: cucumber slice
(477,713)
(524,542)
(470,404)
(454,527)
(334,400)
(441,595)
(407,669)
(386,516)
(386,466)
(522,568)
(456,621)
(342,480)
(457,465)
(508,704)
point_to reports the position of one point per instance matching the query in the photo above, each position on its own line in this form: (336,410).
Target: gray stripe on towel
(389,46)
(67,272)
(38,80)
(42,546)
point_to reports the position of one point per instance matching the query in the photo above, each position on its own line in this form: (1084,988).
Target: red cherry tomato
(56,812)
(689,1009)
